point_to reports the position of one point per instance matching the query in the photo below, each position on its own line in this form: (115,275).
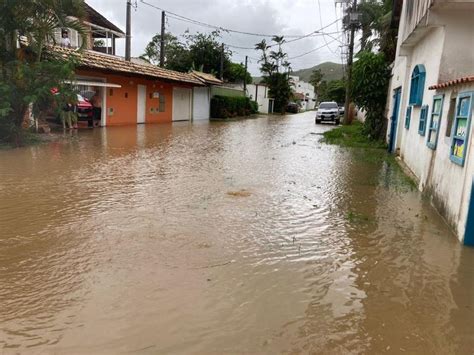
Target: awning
(93,83)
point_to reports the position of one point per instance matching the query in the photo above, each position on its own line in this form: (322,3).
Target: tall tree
(177,57)
(377,33)
(26,79)
(273,68)
(200,51)
(315,79)
(371,78)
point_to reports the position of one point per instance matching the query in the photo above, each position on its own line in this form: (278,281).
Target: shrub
(371,76)
(227,107)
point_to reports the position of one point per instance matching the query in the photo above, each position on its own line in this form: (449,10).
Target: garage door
(201,103)
(182,104)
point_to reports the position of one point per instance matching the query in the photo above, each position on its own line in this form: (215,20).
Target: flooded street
(213,238)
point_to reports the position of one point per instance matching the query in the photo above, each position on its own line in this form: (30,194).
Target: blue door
(469,236)
(394,119)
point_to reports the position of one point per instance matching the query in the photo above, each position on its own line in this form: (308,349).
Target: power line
(294,40)
(314,50)
(321,24)
(200,23)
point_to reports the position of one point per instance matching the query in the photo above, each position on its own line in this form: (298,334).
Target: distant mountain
(331,71)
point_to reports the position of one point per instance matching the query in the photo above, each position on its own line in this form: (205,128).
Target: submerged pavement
(210,238)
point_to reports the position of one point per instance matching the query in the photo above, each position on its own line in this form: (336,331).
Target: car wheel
(338,121)
(318,121)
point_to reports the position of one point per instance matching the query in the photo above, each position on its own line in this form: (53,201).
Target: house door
(393,127)
(469,236)
(182,104)
(201,103)
(141,103)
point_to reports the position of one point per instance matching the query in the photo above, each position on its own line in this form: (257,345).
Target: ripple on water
(223,238)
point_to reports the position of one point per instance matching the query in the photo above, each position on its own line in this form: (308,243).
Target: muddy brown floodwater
(220,238)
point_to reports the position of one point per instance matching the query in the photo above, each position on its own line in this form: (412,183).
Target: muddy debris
(240,193)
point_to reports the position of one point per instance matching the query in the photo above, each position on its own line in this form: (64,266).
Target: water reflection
(141,239)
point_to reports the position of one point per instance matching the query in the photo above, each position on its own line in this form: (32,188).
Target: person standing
(96,102)
(65,41)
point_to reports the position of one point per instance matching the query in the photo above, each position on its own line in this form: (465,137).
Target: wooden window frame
(460,160)
(431,128)
(408,117)
(423,119)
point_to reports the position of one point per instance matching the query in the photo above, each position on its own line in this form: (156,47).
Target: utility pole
(162,41)
(222,62)
(245,76)
(349,65)
(128,31)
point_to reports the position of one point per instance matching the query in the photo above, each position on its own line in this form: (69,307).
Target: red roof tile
(466,79)
(96,60)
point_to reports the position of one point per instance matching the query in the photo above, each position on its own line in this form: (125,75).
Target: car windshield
(328,105)
(80,98)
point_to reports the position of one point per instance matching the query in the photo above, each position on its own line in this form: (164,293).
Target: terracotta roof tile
(96,60)
(466,79)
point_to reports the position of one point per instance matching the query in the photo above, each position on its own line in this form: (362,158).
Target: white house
(306,90)
(431,101)
(258,93)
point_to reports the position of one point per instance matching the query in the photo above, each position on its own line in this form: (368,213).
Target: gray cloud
(294,17)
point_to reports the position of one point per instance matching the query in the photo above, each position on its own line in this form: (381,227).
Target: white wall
(201,103)
(444,47)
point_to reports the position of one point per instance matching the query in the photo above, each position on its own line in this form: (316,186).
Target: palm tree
(48,15)
(376,27)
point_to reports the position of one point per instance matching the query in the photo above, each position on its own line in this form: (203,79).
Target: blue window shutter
(408,118)
(422,124)
(417,88)
(421,87)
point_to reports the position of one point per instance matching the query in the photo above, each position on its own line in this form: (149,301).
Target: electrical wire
(314,50)
(200,23)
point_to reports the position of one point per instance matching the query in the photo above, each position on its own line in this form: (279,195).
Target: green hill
(331,71)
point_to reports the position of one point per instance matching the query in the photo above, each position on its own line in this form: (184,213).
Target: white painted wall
(437,46)
(201,103)
(182,104)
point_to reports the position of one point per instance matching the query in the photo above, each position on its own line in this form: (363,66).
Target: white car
(328,111)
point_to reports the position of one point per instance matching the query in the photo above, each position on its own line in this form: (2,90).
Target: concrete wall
(443,43)
(121,103)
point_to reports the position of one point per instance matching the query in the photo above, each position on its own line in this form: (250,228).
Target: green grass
(351,136)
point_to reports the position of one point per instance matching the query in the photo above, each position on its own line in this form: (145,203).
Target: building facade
(305,90)
(431,101)
(131,92)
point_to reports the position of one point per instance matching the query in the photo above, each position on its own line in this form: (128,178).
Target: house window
(461,127)
(449,125)
(435,121)
(417,85)
(162,102)
(423,116)
(408,118)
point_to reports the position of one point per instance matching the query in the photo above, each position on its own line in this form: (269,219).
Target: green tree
(273,66)
(236,73)
(26,77)
(315,79)
(377,32)
(335,90)
(371,75)
(177,56)
(201,51)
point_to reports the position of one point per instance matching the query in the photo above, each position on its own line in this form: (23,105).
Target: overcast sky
(286,17)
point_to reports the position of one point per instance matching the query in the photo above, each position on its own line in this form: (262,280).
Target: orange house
(132,92)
